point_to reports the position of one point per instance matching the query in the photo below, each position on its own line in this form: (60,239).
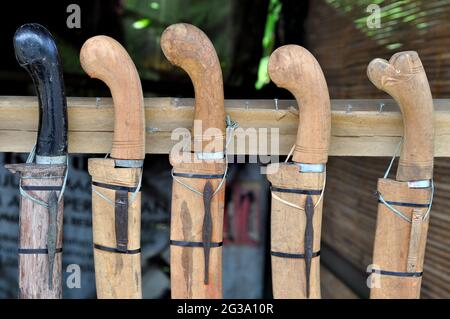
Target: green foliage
(268,41)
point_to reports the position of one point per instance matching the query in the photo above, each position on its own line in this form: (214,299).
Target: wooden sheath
(392,241)
(33,226)
(187,269)
(116,220)
(117,275)
(287,228)
(196,272)
(399,245)
(292,232)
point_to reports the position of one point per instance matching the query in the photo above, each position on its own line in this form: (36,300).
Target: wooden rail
(359,127)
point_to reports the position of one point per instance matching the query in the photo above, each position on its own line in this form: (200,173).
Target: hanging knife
(42,181)
(116,200)
(405,203)
(297,186)
(197,213)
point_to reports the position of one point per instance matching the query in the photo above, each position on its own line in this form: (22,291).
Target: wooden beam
(359,128)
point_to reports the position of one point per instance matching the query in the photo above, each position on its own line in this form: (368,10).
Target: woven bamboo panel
(339,38)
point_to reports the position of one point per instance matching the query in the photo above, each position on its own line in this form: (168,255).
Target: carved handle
(104,58)
(36,52)
(294,68)
(189,48)
(404,78)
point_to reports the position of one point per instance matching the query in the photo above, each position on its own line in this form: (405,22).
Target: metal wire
(395,210)
(30,159)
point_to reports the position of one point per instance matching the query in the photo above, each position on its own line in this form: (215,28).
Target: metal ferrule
(210,156)
(310,168)
(55,160)
(424,183)
(129,163)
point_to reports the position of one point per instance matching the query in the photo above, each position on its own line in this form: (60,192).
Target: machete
(42,182)
(404,203)
(116,200)
(297,187)
(197,192)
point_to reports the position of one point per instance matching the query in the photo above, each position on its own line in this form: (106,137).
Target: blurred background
(244,34)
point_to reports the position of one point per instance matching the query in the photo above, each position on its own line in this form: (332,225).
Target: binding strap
(202,176)
(405,204)
(395,273)
(293,256)
(194,244)
(36,251)
(115,250)
(115,187)
(296,190)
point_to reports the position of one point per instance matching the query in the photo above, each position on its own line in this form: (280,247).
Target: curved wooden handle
(189,48)
(404,78)
(295,69)
(104,58)
(36,52)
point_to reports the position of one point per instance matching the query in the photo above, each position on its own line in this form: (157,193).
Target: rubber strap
(396,273)
(296,190)
(193,244)
(115,187)
(115,250)
(41,188)
(202,176)
(37,251)
(406,204)
(294,256)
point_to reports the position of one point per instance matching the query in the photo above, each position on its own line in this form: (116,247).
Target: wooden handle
(404,78)
(294,68)
(104,58)
(189,48)
(36,52)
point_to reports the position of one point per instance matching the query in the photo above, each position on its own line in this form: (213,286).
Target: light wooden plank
(358,126)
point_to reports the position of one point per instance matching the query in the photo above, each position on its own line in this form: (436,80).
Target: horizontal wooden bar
(359,127)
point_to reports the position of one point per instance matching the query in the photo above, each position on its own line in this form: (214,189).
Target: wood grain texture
(189,48)
(294,68)
(288,229)
(117,276)
(187,267)
(358,128)
(104,58)
(392,241)
(404,78)
(33,226)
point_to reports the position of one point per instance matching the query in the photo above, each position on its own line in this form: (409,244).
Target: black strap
(405,204)
(38,251)
(296,190)
(115,250)
(193,244)
(115,187)
(41,188)
(396,273)
(204,176)
(294,256)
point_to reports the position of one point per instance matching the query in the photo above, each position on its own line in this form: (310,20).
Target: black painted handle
(36,51)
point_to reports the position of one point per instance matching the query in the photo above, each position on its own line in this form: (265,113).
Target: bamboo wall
(339,38)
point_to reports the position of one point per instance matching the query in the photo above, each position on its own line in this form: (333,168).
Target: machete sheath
(116,200)
(401,231)
(197,218)
(41,203)
(297,186)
